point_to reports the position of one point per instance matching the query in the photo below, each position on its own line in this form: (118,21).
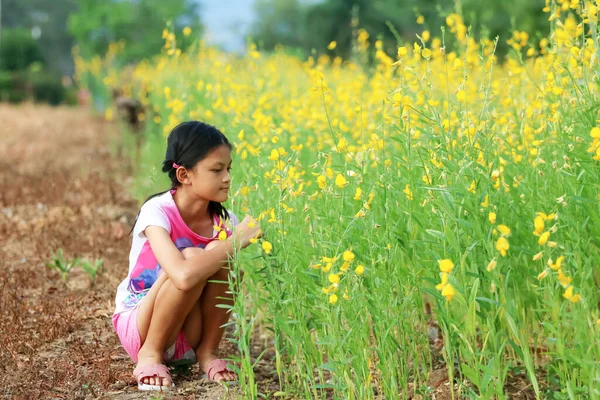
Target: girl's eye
(217,170)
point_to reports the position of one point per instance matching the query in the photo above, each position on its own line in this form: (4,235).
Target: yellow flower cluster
(326,265)
(564,279)
(446,267)
(324,140)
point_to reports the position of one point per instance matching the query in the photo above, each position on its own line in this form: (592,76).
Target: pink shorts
(125,324)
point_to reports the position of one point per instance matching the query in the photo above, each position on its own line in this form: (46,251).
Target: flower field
(439,189)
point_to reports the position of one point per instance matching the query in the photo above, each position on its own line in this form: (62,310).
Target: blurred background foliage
(310,26)
(37,36)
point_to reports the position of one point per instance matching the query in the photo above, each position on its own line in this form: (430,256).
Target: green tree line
(309,26)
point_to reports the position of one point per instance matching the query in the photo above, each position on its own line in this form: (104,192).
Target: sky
(226,22)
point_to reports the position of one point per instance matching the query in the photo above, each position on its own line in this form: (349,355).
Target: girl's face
(210,178)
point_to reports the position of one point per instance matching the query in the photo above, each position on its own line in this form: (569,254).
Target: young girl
(166,307)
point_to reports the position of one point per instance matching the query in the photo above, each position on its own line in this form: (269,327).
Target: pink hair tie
(175,165)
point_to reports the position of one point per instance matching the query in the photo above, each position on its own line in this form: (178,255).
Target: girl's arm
(185,274)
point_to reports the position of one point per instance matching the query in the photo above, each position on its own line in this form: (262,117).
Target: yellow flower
(426,53)
(340,181)
(505,230)
(187,31)
(544,216)
(360,213)
(595,132)
(332,45)
(568,294)
(564,279)
(491,265)
(446,265)
(408,192)
(502,245)
(244,191)
(556,266)
(544,238)
(486,201)
(348,255)
(329,259)
(333,299)
(346,295)
(537,256)
(402,51)
(542,275)
(444,281)
(274,155)
(334,278)
(222,235)
(448,292)
(345,266)
(322,181)
(538,222)
(327,267)
(359,270)
(267,247)
(472,187)
(492,217)
(357,194)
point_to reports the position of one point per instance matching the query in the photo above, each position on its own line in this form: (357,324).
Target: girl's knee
(189,252)
(211,245)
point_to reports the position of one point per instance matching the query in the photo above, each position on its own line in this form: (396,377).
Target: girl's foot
(215,368)
(150,358)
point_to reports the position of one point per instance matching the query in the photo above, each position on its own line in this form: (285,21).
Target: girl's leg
(213,318)
(202,328)
(160,318)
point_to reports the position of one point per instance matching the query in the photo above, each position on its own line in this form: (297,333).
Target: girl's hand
(246,230)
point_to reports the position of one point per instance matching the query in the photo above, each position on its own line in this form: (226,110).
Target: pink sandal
(149,371)
(215,367)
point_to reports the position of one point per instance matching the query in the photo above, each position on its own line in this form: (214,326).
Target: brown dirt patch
(61,188)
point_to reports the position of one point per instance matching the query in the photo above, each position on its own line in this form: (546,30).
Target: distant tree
(312,25)
(138,23)
(18,50)
(281,22)
(47,21)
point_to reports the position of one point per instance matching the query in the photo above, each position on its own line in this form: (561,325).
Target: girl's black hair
(187,144)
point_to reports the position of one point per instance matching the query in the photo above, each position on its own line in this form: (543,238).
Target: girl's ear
(183,175)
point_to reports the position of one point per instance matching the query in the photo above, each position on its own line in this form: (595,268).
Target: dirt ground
(61,188)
